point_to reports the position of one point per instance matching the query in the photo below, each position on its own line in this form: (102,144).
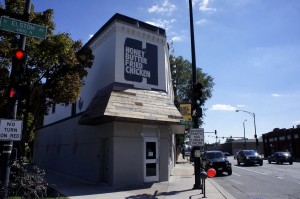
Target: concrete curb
(220,189)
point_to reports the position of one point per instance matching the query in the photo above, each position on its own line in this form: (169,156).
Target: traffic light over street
(197,99)
(18,66)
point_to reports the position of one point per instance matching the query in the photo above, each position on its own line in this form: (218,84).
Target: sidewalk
(180,186)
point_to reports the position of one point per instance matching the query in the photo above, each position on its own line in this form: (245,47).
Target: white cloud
(276,95)
(157,9)
(222,107)
(201,21)
(194,2)
(177,38)
(166,24)
(165,8)
(204,7)
(240,105)
(173,20)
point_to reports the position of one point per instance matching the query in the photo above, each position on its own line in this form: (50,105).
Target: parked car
(281,157)
(216,160)
(249,157)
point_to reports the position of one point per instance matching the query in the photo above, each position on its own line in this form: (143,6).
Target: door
(151,163)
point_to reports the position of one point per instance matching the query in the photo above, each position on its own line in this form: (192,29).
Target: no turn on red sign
(197,137)
(10,130)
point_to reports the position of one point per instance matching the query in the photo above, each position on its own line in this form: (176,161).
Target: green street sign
(22,27)
(185,122)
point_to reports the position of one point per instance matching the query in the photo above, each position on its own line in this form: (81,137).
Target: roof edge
(129,20)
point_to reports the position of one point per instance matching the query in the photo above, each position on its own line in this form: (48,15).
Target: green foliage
(4,79)
(184,81)
(182,85)
(55,68)
(27,184)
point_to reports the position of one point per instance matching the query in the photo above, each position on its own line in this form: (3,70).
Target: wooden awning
(130,104)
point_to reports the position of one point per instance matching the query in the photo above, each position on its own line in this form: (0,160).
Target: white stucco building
(121,131)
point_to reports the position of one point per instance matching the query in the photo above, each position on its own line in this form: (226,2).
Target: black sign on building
(140,63)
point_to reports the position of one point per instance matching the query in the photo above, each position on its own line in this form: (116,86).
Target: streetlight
(253,115)
(244,135)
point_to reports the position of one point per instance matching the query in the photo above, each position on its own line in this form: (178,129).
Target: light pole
(195,150)
(244,135)
(255,135)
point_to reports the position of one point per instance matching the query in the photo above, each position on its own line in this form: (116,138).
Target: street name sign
(10,130)
(185,122)
(22,27)
(197,137)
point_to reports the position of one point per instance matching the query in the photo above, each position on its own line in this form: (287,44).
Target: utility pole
(12,114)
(255,135)
(244,135)
(195,117)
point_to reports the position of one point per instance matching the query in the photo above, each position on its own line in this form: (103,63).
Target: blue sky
(250,47)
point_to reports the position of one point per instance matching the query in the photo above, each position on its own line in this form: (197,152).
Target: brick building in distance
(282,140)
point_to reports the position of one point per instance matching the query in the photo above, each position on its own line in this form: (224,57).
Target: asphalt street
(262,182)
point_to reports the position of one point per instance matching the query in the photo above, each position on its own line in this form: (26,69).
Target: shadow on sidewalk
(183,162)
(180,160)
(73,187)
(83,189)
(157,194)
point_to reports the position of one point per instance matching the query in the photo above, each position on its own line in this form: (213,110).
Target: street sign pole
(12,114)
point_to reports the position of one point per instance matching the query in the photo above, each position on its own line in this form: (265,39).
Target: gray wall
(110,153)
(128,154)
(73,149)
(165,150)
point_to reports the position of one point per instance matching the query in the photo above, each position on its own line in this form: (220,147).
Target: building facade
(121,130)
(283,140)
(240,144)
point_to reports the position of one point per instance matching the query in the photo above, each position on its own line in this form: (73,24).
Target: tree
(183,78)
(55,68)
(181,71)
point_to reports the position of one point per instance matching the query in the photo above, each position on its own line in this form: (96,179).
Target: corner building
(122,129)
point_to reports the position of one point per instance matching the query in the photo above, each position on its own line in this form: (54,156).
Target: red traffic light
(12,92)
(19,54)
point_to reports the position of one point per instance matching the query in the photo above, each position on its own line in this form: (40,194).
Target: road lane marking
(262,173)
(236,174)
(290,180)
(272,175)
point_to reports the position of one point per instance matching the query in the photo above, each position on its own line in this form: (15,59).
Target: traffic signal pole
(195,118)
(12,114)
